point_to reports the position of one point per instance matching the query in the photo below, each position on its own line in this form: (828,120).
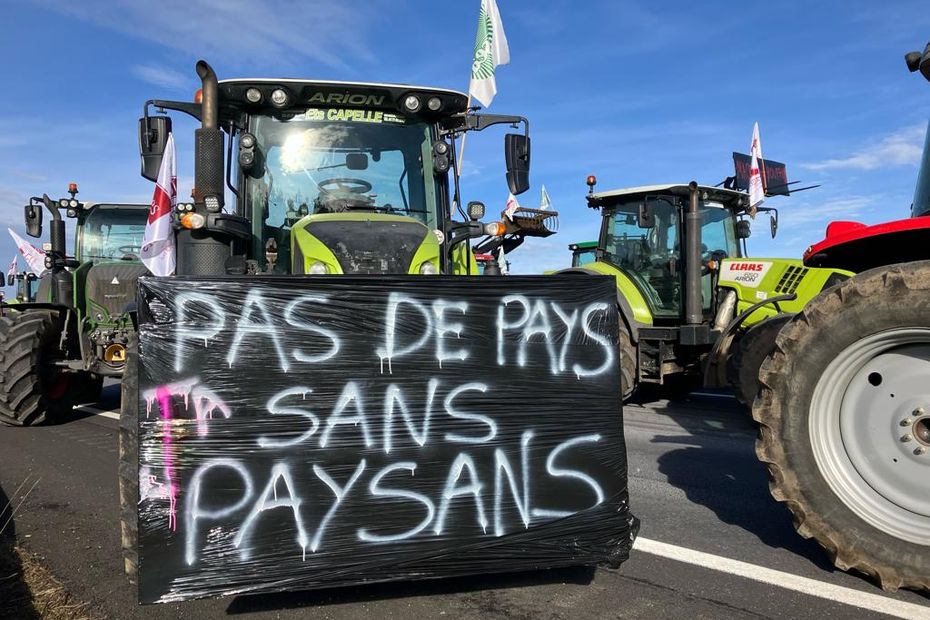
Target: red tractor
(844,403)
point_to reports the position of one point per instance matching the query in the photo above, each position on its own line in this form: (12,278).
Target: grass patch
(29,591)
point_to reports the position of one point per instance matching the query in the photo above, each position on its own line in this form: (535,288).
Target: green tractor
(694,307)
(327,178)
(58,343)
(25,283)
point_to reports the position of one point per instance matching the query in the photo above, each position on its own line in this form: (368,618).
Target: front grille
(790,280)
(371,246)
(112,285)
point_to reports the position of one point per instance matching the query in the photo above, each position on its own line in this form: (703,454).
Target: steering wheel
(345,184)
(130,249)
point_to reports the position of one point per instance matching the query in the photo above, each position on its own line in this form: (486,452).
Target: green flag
(491,51)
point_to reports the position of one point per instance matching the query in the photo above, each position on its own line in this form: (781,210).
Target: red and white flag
(756,184)
(157,252)
(34,257)
(13,265)
(511,207)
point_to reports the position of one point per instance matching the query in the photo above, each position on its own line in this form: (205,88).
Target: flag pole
(458,162)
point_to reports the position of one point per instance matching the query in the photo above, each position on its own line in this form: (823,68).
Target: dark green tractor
(57,345)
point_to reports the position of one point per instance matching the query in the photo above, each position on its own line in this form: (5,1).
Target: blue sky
(634,92)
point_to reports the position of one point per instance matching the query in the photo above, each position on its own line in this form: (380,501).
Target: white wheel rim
(869,427)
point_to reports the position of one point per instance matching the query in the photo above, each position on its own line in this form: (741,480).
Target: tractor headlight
(253,95)
(73,203)
(318,268)
(279,97)
(434,103)
(428,269)
(63,203)
(412,103)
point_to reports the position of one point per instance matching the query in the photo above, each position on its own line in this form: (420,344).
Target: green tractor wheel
(32,388)
(844,409)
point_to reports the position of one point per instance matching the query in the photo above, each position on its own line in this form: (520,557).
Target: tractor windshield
(651,257)
(111,232)
(336,160)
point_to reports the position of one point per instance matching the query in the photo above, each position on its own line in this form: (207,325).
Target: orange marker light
(72,188)
(592,180)
(198,96)
(193,220)
(495,229)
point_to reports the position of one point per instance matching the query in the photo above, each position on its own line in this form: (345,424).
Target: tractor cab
(583,253)
(642,236)
(329,178)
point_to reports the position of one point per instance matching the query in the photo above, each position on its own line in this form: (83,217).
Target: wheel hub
(870,430)
(922,431)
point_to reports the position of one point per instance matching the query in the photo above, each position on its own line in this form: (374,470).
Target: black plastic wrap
(309,432)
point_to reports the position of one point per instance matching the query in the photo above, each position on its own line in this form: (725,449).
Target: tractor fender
(626,311)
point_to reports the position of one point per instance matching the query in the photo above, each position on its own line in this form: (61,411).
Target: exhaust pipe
(694,314)
(208,145)
(204,251)
(209,102)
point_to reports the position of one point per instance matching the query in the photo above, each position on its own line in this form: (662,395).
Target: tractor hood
(363,243)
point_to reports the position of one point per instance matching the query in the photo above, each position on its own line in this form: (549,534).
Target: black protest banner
(776,175)
(305,432)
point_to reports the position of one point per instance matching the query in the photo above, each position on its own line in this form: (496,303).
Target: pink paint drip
(163,395)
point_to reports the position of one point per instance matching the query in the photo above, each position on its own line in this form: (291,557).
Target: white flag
(491,51)
(502,261)
(157,252)
(511,207)
(756,187)
(34,257)
(545,202)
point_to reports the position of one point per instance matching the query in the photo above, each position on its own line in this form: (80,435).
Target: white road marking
(113,415)
(804,585)
(715,395)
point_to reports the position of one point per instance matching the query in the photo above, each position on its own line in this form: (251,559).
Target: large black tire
(839,336)
(628,359)
(129,459)
(749,351)
(32,389)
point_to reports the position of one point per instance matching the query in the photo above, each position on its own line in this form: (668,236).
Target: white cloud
(164,77)
(253,32)
(904,147)
(843,207)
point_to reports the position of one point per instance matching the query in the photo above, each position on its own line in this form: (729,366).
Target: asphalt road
(694,481)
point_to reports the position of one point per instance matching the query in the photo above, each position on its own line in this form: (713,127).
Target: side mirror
(517,156)
(33,218)
(646,218)
(10,279)
(773,223)
(742,229)
(153,139)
